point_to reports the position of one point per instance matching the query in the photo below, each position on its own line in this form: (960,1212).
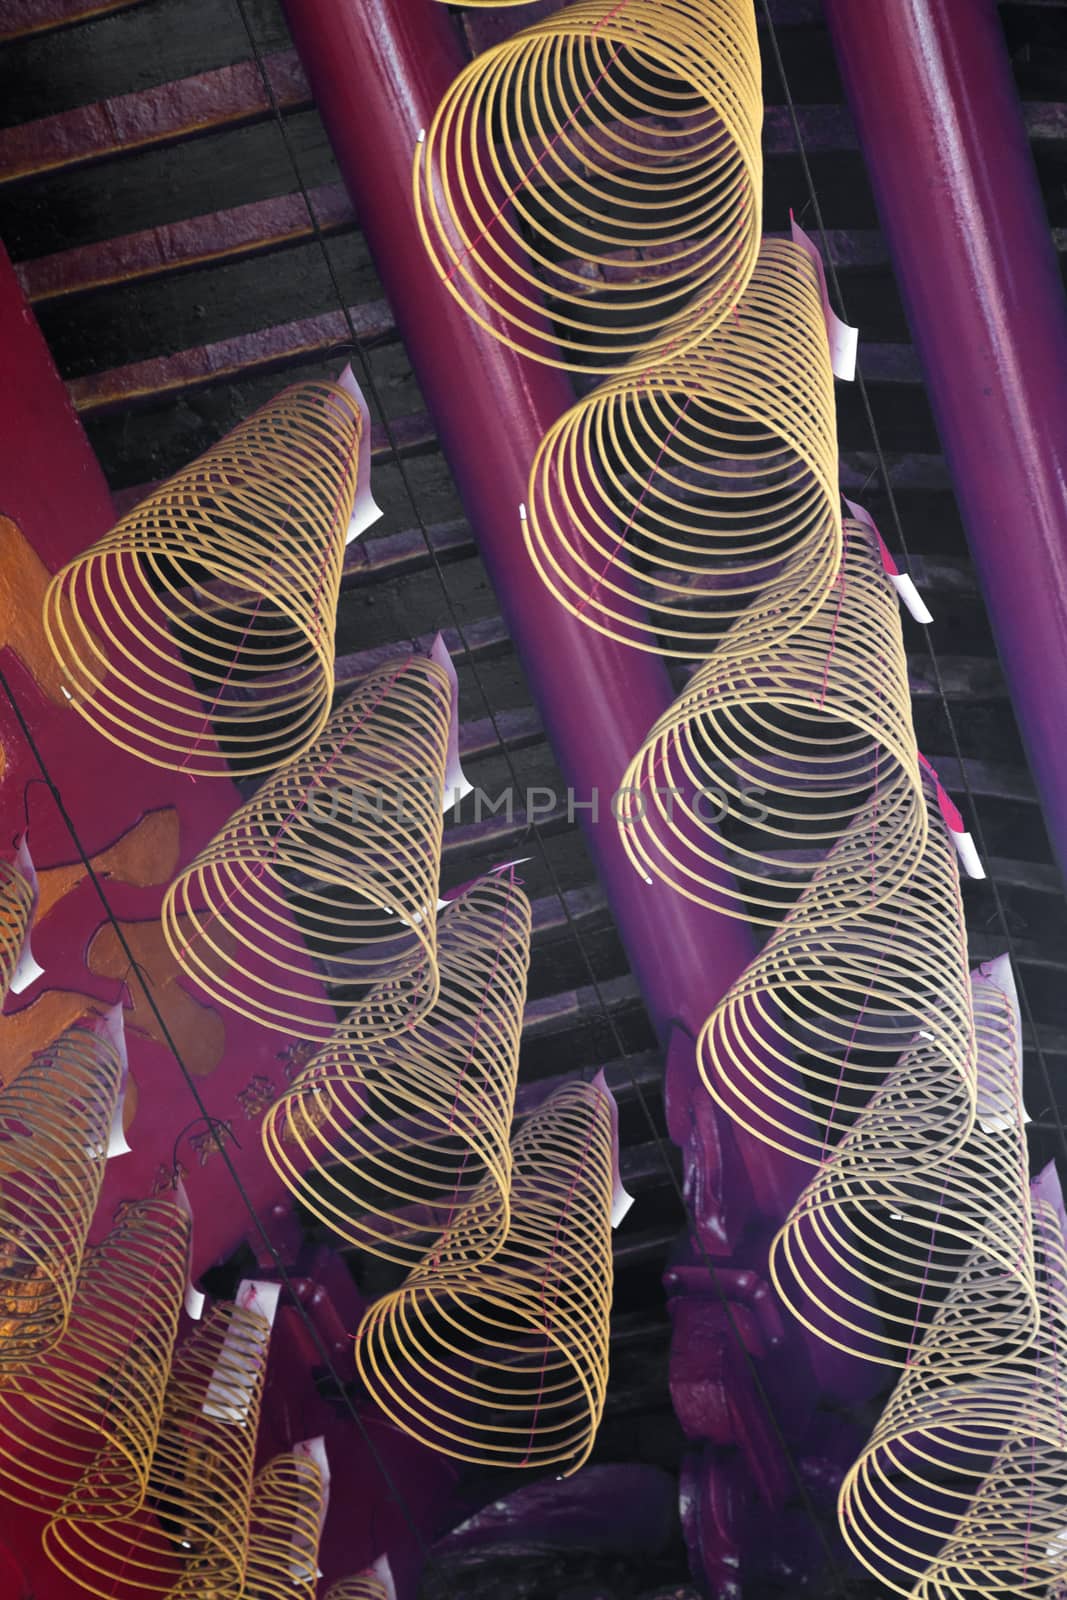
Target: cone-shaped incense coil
(387,1145)
(54,1125)
(773,754)
(692,484)
(81,1424)
(191,1536)
(365,1586)
(336,857)
(882,1231)
(288,1507)
(590,188)
(16,910)
(509,1367)
(975,1467)
(1012,1539)
(848,982)
(200,630)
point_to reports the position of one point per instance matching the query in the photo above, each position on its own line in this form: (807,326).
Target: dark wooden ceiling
(149,199)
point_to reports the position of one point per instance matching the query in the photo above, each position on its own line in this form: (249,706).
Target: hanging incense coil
(772,751)
(959,1491)
(365,1586)
(1012,1539)
(191,1536)
(627,136)
(696,483)
(337,857)
(288,1508)
(508,1367)
(200,631)
(884,1226)
(81,1425)
(16,911)
(389,1146)
(55,1121)
(798,1045)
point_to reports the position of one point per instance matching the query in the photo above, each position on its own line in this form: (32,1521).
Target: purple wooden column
(938,115)
(378,69)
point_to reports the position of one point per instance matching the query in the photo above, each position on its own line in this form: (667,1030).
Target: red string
(601,1098)
(520,181)
(926,1275)
(252,878)
(323,565)
(675,425)
(463,1074)
(841,583)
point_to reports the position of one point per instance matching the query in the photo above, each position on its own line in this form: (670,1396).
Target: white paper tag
(194,1299)
(997,1103)
(456,785)
(114,1031)
(909,595)
(970,860)
(384,1574)
(364,510)
(842,339)
(27,970)
(494,872)
(1046,1187)
(233,1382)
(1055,1551)
(314,1450)
(620,1200)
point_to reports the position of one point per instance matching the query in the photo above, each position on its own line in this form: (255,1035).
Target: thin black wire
(624,1053)
(883,472)
(205,1115)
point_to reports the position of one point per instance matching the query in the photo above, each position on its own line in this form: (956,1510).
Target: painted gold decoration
(55,1121)
(337,857)
(797,1046)
(775,746)
(663,502)
(388,1145)
(288,1504)
(79,1426)
(959,1492)
(508,1366)
(200,630)
(191,1537)
(16,913)
(628,133)
(882,1231)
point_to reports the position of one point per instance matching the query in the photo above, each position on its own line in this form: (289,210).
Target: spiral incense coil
(365,1586)
(200,630)
(388,1147)
(697,483)
(191,1536)
(288,1507)
(883,1225)
(797,1046)
(959,1491)
(16,912)
(590,188)
(774,752)
(337,856)
(509,1366)
(81,1425)
(54,1125)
